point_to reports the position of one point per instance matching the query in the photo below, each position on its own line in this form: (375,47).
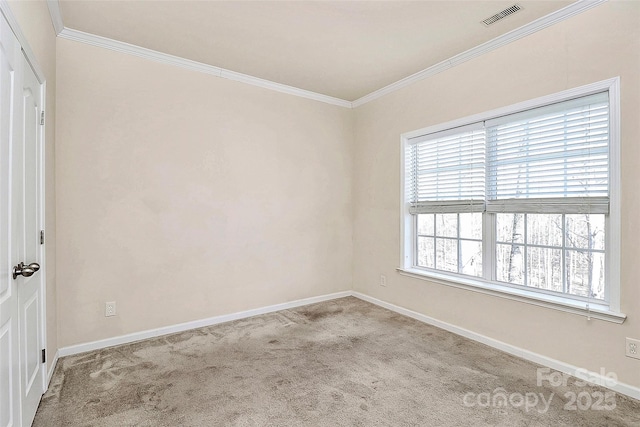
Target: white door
(10,85)
(21,300)
(26,241)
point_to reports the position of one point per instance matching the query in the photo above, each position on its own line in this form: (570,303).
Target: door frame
(41,223)
(5,10)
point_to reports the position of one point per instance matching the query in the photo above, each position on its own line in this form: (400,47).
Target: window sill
(596,311)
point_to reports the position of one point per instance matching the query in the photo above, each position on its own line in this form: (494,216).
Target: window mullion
(525,255)
(435,241)
(459,243)
(489,246)
(488,220)
(414,225)
(563,260)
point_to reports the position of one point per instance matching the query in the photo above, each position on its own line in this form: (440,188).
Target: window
(521,200)
(450,242)
(556,252)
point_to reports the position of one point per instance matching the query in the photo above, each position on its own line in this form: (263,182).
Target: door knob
(25,270)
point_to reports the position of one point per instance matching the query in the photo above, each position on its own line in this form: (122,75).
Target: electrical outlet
(383,280)
(109,309)
(633,348)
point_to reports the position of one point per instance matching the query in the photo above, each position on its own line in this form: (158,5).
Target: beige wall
(184,196)
(35,23)
(155,213)
(601,43)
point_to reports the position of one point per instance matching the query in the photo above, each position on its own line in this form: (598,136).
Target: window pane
(510,263)
(471,225)
(425,224)
(447,225)
(447,254)
(510,228)
(425,252)
(585,269)
(585,231)
(544,229)
(544,268)
(471,253)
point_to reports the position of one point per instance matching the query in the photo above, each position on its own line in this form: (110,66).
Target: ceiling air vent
(501,15)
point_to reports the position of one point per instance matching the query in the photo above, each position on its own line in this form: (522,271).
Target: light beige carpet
(339,363)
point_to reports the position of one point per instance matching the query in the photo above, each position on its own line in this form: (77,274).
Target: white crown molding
(5,9)
(103,42)
(534,26)
(530,28)
(56,15)
(98,41)
(165,58)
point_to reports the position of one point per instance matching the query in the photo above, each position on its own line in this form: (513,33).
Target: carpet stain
(315,312)
(338,363)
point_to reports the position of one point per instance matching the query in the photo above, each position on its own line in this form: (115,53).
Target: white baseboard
(152,333)
(622,388)
(52,369)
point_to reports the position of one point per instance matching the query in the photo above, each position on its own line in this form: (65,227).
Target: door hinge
(44,355)
(42,117)
(42,237)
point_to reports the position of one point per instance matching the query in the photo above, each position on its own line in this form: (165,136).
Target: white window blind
(542,179)
(553,159)
(445,171)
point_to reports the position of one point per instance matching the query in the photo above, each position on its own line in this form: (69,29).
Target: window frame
(609,309)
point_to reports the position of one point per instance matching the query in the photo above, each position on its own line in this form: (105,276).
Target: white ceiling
(344,49)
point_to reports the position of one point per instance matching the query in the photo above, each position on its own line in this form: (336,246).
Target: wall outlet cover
(109,308)
(632,348)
